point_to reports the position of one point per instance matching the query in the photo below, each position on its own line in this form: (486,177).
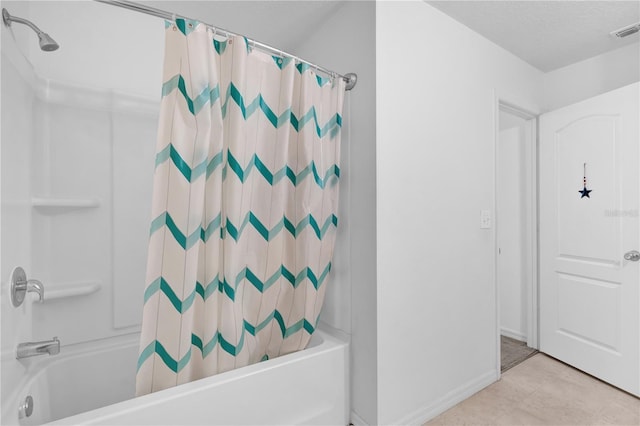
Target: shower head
(46,42)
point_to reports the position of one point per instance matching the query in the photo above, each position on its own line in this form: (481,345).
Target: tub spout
(51,347)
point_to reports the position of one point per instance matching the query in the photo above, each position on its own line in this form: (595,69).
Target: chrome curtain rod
(349,78)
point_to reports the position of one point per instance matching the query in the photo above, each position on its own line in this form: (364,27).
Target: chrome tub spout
(51,347)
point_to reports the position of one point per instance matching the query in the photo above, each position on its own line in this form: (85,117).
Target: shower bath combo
(319,373)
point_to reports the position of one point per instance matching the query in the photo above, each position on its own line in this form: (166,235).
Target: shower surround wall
(85,224)
(15,211)
(91,193)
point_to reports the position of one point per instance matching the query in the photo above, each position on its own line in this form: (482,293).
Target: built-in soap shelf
(53,205)
(70,289)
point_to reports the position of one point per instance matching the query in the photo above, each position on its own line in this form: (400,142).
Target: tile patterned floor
(544,391)
(513,352)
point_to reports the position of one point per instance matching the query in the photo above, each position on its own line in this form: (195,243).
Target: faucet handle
(35,286)
(20,285)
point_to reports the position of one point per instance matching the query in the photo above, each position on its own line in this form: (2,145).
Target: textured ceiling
(547,34)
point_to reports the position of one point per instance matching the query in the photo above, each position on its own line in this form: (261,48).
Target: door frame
(532,226)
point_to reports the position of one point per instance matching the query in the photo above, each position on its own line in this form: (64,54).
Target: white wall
(511,229)
(435,172)
(351,298)
(591,77)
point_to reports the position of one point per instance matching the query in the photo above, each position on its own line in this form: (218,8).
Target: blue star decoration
(585,192)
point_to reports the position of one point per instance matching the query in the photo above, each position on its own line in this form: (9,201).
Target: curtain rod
(350,78)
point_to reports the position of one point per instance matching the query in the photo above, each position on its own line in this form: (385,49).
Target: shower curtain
(244,208)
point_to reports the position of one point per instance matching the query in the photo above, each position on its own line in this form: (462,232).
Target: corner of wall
(344,43)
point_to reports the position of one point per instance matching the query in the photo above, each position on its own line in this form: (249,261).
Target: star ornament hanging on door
(584,191)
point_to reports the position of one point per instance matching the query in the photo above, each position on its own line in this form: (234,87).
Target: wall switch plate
(485,219)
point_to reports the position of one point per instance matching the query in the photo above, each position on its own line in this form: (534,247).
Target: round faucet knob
(26,408)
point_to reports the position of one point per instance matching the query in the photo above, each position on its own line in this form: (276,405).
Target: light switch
(485,219)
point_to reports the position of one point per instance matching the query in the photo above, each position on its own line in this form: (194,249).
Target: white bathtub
(93,384)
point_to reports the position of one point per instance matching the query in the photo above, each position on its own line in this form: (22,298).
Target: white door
(589,292)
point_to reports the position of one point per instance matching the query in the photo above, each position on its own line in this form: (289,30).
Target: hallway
(544,391)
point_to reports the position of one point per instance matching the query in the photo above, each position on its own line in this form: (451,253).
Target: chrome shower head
(47,43)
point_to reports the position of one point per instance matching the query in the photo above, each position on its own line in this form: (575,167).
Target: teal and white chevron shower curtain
(244,208)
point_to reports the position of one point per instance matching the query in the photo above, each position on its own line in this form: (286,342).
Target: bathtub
(93,384)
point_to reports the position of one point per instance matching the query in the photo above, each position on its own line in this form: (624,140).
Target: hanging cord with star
(584,191)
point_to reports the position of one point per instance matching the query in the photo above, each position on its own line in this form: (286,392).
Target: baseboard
(357,420)
(507,332)
(448,400)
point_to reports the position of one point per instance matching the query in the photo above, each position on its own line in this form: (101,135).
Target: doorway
(516,238)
